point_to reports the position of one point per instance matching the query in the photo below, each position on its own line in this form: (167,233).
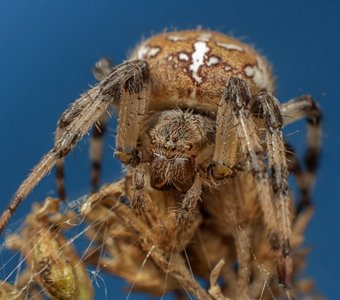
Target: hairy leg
(187,214)
(251,151)
(139,200)
(132,109)
(268,108)
(128,77)
(226,147)
(295,168)
(101,71)
(96,149)
(292,111)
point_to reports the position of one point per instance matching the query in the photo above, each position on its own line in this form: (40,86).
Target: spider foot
(139,204)
(185,221)
(284,271)
(131,158)
(220,170)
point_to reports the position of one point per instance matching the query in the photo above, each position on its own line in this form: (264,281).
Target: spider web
(105,284)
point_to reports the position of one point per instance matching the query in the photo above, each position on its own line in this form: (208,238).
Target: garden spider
(196,110)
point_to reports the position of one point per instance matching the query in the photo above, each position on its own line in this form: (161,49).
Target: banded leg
(225,153)
(187,213)
(247,138)
(100,71)
(295,168)
(292,111)
(129,77)
(132,109)
(67,117)
(268,108)
(96,149)
(139,199)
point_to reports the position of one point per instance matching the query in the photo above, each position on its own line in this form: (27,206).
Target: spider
(196,111)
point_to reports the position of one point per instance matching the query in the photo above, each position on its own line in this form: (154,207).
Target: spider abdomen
(191,68)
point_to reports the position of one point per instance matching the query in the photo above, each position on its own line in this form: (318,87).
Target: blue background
(47,50)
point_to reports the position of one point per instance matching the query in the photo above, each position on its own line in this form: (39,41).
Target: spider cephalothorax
(235,120)
(177,138)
